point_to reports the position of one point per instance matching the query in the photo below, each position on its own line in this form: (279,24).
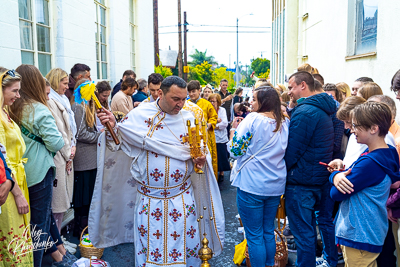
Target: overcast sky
(219,12)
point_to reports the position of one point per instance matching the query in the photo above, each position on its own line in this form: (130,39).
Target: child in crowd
(361,224)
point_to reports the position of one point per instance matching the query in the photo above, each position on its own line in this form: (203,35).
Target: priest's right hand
(105,116)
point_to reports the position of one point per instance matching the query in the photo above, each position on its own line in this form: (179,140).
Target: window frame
(34,34)
(99,62)
(352,34)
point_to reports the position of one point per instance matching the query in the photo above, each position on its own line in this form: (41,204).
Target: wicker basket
(88,252)
(281,255)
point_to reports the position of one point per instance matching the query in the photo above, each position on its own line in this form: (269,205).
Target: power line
(219,32)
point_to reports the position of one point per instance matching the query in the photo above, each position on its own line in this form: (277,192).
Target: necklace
(170,129)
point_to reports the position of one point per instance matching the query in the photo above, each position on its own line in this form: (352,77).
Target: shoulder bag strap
(34,137)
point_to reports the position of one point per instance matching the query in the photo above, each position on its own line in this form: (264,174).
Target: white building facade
(343,39)
(107,35)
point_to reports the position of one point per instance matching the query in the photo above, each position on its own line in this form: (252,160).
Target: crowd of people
(331,150)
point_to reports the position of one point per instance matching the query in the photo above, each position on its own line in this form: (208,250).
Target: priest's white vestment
(146,192)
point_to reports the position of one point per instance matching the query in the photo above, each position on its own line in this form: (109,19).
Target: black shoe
(220,178)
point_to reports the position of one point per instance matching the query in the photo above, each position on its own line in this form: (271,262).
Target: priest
(146,190)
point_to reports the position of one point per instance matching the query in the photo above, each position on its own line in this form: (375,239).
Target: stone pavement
(123,255)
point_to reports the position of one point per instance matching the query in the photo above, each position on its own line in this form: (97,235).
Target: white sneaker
(68,243)
(72,245)
(70,249)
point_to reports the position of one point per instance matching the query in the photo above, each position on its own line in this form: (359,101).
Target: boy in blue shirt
(362,223)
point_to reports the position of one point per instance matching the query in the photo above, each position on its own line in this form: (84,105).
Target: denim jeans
(301,203)
(324,220)
(40,196)
(258,216)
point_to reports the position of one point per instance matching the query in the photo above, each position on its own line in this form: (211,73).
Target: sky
(219,12)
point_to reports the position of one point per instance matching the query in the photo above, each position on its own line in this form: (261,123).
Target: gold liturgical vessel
(197,139)
(205,252)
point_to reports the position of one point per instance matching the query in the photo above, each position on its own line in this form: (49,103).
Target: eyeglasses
(354,126)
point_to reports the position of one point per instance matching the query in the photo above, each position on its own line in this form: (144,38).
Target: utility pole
(155,25)
(185,43)
(180,40)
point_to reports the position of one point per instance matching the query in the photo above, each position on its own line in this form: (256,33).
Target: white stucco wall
(10,53)
(325,38)
(73,36)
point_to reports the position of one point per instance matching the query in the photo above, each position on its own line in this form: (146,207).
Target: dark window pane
(44,63)
(103,53)
(27,58)
(102,16)
(367,26)
(43,38)
(42,12)
(24,9)
(104,70)
(97,51)
(102,34)
(25,33)
(98,70)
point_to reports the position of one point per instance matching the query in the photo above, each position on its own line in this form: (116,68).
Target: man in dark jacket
(311,139)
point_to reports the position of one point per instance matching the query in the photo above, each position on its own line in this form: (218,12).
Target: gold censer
(197,139)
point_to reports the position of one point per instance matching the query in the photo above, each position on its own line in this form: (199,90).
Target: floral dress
(15,240)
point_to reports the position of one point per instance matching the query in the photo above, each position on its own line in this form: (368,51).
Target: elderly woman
(221,136)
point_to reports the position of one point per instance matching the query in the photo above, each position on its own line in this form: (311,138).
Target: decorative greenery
(260,66)
(201,57)
(202,73)
(164,71)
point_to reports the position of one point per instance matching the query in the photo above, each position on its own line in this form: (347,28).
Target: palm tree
(199,57)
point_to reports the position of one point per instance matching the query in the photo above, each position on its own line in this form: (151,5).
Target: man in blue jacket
(311,139)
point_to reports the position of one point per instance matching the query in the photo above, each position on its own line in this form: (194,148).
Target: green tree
(202,73)
(222,73)
(200,57)
(260,65)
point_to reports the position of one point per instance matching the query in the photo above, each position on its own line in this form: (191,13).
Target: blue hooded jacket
(311,138)
(361,222)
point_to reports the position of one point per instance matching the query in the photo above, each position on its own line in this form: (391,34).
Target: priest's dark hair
(172,80)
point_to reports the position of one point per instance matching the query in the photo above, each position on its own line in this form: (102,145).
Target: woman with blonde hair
(15,215)
(62,193)
(369,89)
(305,67)
(280,88)
(42,140)
(344,88)
(85,161)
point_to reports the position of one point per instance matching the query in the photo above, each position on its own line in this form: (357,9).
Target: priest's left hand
(200,161)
